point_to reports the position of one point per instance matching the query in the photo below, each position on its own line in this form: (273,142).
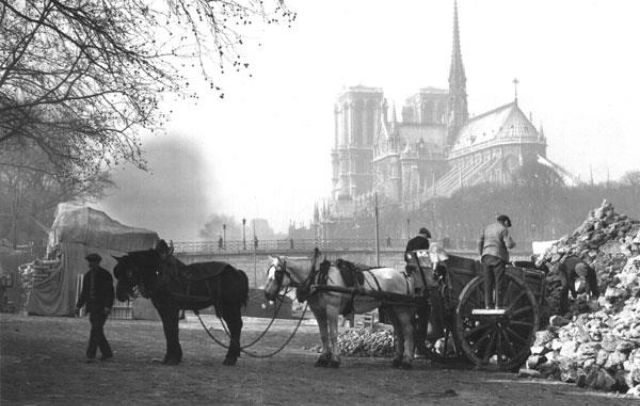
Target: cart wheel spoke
(515,301)
(475,330)
(522,323)
(499,351)
(483,337)
(512,352)
(490,348)
(525,309)
(513,334)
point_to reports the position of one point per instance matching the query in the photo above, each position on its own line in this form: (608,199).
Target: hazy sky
(265,148)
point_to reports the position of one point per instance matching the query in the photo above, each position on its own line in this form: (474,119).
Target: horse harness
(188,285)
(303,289)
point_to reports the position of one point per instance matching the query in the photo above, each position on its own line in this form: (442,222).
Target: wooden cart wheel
(497,340)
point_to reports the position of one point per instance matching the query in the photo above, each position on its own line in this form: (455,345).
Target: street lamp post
(255,255)
(224,236)
(244,237)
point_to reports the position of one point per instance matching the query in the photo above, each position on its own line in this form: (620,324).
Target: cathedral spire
(457,106)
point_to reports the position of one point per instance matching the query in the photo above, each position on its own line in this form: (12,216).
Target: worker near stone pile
(494,246)
(571,268)
(97,295)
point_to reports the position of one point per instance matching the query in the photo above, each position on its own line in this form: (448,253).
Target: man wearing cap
(97,295)
(494,246)
(421,242)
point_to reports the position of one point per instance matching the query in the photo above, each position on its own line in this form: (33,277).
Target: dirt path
(42,363)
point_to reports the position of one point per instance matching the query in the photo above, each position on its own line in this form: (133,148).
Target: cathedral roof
(504,123)
(432,134)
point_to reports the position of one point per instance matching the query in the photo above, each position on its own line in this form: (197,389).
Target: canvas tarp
(93,228)
(76,232)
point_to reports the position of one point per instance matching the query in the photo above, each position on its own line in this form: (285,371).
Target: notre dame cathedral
(434,150)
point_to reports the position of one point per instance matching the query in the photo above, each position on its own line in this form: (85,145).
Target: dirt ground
(42,363)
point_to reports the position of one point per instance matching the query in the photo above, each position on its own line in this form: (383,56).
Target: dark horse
(171,285)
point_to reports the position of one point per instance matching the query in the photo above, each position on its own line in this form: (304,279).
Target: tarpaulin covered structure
(77,231)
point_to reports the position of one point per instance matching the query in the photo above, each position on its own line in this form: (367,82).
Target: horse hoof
(396,363)
(171,361)
(334,364)
(229,361)
(406,365)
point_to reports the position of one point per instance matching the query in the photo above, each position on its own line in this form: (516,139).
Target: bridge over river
(254,260)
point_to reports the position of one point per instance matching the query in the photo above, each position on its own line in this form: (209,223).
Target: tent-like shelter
(77,231)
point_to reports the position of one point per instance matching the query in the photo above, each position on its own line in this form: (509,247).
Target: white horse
(326,305)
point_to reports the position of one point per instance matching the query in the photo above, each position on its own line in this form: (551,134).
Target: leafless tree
(631,178)
(80,79)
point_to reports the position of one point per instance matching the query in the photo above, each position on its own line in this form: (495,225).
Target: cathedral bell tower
(457,112)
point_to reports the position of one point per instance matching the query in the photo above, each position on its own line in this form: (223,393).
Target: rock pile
(596,344)
(365,343)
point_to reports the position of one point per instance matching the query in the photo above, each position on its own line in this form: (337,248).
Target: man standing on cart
(494,246)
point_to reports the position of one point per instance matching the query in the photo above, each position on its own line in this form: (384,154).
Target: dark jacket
(568,271)
(417,243)
(103,293)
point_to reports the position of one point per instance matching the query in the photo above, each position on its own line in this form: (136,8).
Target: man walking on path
(97,295)
(494,246)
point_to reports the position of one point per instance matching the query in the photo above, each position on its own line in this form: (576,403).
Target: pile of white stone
(597,343)
(365,343)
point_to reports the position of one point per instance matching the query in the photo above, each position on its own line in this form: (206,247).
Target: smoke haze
(173,198)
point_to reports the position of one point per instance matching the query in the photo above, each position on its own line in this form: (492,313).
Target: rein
(243,348)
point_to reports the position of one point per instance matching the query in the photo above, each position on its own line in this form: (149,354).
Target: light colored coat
(496,241)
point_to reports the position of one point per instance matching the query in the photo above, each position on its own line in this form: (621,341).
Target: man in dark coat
(420,241)
(494,246)
(97,295)
(424,313)
(569,269)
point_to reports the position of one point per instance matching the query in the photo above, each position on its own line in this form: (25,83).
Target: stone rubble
(365,343)
(597,343)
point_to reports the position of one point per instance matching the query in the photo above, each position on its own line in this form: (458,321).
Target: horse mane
(146,259)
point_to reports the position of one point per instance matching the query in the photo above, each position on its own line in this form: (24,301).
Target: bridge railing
(279,245)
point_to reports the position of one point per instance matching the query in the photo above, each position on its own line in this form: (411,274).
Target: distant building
(434,150)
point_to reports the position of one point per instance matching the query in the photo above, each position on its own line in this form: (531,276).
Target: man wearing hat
(97,295)
(421,242)
(494,246)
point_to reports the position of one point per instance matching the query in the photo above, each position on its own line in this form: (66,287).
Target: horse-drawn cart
(497,338)
(490,338)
